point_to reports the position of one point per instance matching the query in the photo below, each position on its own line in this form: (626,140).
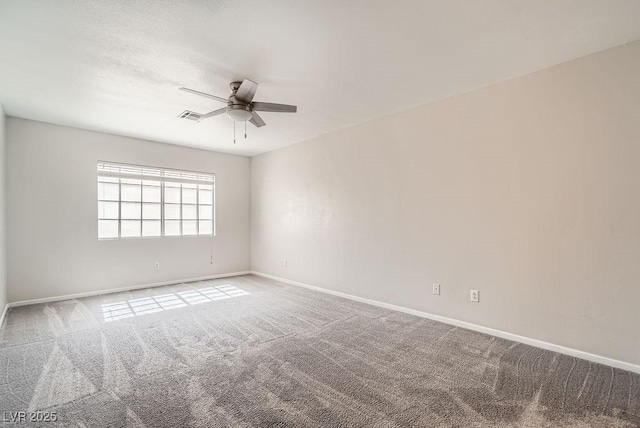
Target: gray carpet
(247,351)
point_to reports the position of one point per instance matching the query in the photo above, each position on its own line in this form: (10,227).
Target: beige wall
(3,213)
(52,242)
(528,191)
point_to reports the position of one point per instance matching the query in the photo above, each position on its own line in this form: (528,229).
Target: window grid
(161,208)
(197,189)
(180,180)
(119,208)
(141,207)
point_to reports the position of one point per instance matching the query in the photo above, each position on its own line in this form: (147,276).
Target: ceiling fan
(240,105)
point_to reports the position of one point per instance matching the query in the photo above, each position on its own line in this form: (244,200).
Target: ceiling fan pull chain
(234,132)
(245,129)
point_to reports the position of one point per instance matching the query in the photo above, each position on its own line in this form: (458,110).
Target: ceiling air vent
(190,115)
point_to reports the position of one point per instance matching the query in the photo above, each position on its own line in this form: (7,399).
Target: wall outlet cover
(436,289)
(475,296)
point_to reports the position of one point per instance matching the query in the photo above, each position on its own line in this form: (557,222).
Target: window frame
(162,176)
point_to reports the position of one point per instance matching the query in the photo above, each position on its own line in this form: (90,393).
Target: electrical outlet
(284,262)
(475,296)
(157,266)
(436,289)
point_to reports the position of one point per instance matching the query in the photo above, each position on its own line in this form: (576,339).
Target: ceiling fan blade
(279,108)
(257,120)
(202,94)
(246,91)
(214,113)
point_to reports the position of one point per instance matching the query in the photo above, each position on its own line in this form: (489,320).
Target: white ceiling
(115,66)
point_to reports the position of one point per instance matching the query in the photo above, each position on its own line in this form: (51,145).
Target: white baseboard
(4,314)
(118,290)
(463,324)
(469,326)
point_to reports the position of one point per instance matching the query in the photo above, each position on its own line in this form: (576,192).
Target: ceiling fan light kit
(239,113)
(240,105)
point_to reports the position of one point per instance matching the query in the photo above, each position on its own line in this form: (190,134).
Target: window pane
(107,229)
(151,211)
(130,228)
(206,227)
(108,192)
(172,192)
(171,211)
(108,180)
(131,193)
(189,227)
(189,212)
(189,194)
(108,210)
(150,194)
(130,181)
(206,212)
(151,228)
(206,196)
(172,227)
(130,210)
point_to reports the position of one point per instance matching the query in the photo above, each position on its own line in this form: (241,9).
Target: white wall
(52,242)
(3,214)
(528,191)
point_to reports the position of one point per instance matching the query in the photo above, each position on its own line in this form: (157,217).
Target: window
(143,202)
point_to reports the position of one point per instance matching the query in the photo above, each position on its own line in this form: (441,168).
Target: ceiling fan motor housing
(239,111)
